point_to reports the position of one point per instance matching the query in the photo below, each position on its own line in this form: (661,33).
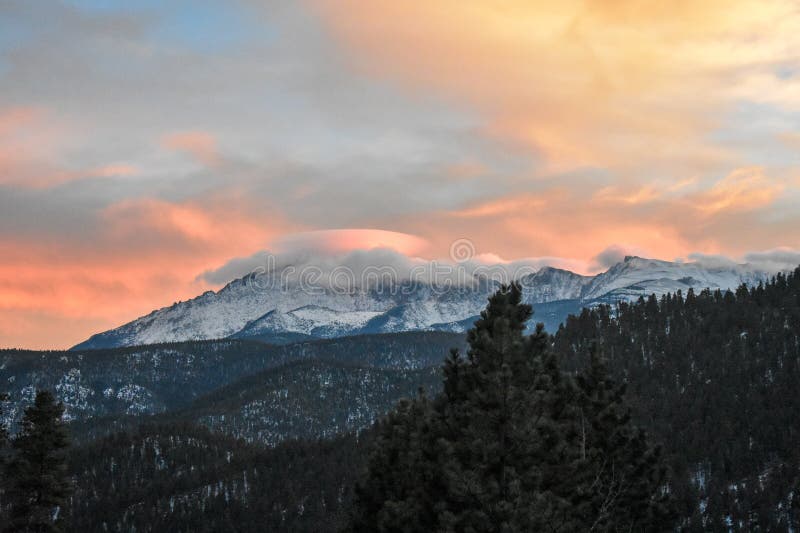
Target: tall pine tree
(509,417)
(511,444)
(37,478)
(403,478)
(622,478)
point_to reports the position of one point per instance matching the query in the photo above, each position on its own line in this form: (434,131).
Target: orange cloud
(639,195)
(31,146)
(562,225)
(632,90)
(664,221)
(504,206)
(26,141)
(199,144)
(142,254)
(744,189)
(790,138)
(627,85)
(108,171)
(16,118)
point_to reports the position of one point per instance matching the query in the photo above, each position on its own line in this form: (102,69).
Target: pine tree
(37,479)
(510,426)
(512,444)
(623,478)
(396,496)
(488,454)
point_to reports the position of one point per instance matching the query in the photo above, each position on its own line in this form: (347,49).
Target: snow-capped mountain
(249,308)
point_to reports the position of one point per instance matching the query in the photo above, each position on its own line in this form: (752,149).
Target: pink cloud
(744,189)
(201,145)
(142,254)
(32,147)
(346,240)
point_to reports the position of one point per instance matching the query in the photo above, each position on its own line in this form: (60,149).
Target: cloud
(535,129)
(344,240)
(26,144)
(582,83)
(113,170)
(199,144)
(614,254)
(304,255)
(781,259)
(744,189)
(790,138)
(640,195)
(774,260)
(33,151)
(359,267)
(235,268)
(105,265)
(713,260)
(502,206)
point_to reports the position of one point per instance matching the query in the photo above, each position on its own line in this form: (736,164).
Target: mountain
(713,378)
(258,307)
(106,387)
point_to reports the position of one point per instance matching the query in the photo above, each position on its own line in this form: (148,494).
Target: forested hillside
(307,399)
(183,478)
(104,387)
(714,376)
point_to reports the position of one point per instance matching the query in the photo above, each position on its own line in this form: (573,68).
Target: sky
(148,149)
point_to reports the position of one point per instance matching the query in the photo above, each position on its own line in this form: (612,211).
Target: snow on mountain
(309,320)
(250,308)
(636,276)
(553,284)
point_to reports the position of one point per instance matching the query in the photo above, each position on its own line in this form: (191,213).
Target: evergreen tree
(501,449)
(623,478)
(37,479)
(509,427)
(403,473)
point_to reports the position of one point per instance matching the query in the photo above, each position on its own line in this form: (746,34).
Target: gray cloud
(361,264)
(775,259)
(713,260)
(612,255)
(235,268)
(295,125)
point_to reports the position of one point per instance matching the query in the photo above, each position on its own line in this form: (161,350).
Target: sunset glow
(143,146)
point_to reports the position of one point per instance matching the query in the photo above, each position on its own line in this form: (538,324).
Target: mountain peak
(273,312)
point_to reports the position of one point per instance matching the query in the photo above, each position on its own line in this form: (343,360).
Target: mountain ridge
(246,308)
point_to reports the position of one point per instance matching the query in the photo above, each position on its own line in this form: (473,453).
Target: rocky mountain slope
(253,307)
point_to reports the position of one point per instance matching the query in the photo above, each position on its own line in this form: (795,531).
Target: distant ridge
(289,313)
